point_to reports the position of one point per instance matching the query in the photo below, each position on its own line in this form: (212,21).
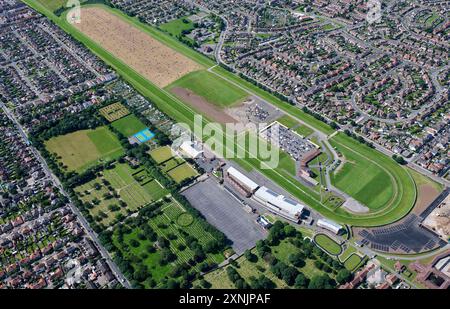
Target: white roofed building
(190,149)
(248,185)
(329,225)
(281,205)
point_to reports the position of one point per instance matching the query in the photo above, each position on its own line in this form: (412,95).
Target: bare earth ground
(200,104)
(439,219)
(147,56)
(425,195)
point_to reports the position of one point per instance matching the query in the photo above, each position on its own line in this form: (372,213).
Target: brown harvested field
(199,104)
(147,56)
(425,195)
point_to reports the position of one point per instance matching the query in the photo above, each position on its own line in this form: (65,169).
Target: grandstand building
(329,225)
(279,204)
(242,182)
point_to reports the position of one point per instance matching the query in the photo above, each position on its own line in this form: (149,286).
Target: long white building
(281,205)
(246,183)
(329,225)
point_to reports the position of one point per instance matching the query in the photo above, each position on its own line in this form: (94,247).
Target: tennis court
(144,136)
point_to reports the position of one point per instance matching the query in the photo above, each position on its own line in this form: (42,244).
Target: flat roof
(331,225)
(242,178)
(285,204)
(189,149)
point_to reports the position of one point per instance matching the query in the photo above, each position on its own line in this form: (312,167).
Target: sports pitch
(177,26)
(83,149)
(144,136)
(136,193)
(129,125)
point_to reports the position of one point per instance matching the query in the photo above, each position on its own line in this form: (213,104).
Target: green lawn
(177,26)
(328,244)
(129,125)
(352,262)
(80,150)
(182,172)
(211,87)
(287,121)
(303,131)
(364,180)
(293,124)
(53,5)
(347,252)
(373,178)
(161,154)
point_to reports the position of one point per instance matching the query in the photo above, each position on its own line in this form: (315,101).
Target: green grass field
(177,26)
(161,154)
(182,172)
(352,262)
(372,178)
(293,124)
(53,5)
(211,87)
(328,244)
(129,125)
(181,112)
(129,190)
(364,180)
(346,253)
(83,149)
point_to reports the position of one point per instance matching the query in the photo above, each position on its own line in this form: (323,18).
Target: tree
(250,256)
(276,233)
(262,282)
(141,274)
(343,276)
(301,282)
(289,275)
(262,247)
(289,230)
(297,259)
(320,282)
(278,269)
(134,243)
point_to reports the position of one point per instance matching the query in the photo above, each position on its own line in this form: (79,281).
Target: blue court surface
(144,136)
